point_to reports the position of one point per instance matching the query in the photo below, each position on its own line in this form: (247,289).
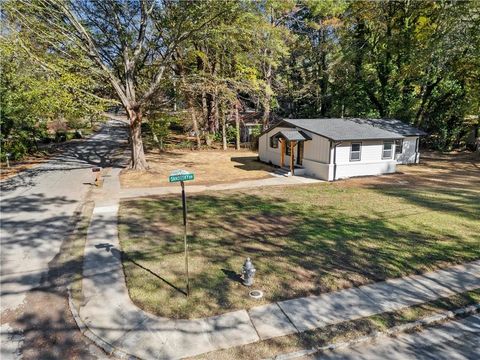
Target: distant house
(332,149)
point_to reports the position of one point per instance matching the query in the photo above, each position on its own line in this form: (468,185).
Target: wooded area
(201,63)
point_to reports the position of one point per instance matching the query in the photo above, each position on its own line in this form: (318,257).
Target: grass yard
(303,240)
(209,167)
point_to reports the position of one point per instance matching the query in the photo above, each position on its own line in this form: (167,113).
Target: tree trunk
(138,156)
(266,111)
(174,95)
(204,109)
(425,96)
(224,131)
(191,108)
(268,92)
(476,136)
(212,113)
(216,111)
(195,126)
(237,127)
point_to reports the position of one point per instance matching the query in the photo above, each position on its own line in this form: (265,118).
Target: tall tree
(35,94)
(271,40)
(223,63)
(130,43)
(308,70)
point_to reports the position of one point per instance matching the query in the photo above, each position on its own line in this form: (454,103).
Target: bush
(256,131)
(159,125)
(61,135)
(78,134)
(231,134)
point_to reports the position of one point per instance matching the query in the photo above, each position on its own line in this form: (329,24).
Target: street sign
(180,175)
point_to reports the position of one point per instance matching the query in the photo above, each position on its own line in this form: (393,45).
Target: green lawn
(303,240)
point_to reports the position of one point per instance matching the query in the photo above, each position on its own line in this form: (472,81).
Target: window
(355,150)
(387,149)
(287,148)
(274,142)
(399,146)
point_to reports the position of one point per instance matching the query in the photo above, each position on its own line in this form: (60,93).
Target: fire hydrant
(248,272)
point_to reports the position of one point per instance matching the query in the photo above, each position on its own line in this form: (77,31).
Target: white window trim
(392,150)
(359,152)
(396,147)
(272,138)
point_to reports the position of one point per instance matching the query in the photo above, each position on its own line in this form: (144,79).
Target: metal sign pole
(184,205)
(182,176)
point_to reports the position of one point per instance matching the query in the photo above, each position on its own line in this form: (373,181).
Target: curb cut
(430,320)
(97,340)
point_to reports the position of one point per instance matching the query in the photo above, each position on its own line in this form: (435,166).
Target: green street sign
(180,175)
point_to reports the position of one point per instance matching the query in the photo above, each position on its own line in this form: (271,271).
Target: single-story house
(332,149)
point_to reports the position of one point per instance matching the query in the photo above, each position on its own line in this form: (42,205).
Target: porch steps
(286,171)
(282,172)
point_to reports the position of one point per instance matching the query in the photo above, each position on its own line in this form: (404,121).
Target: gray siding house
(332,149)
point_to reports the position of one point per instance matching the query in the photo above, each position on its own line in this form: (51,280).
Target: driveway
(36,214)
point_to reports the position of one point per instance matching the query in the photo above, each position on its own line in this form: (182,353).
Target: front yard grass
(303,240)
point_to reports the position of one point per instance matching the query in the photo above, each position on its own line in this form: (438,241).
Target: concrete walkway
(109,313)
(275,180)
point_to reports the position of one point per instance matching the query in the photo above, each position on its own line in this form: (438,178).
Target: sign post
(182,176)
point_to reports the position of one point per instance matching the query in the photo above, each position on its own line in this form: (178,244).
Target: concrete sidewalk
(452,340)
(108,312)
(245,184)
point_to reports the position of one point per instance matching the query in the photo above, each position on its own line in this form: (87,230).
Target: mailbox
(96,170)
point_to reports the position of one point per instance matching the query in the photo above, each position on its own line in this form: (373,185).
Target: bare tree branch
(93,51)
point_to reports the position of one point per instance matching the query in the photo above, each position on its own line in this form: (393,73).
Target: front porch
(290,140)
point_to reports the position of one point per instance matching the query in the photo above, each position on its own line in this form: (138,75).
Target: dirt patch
(209,167)
(50,330)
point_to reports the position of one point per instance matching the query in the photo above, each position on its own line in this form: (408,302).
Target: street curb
(430,320)
(97,340)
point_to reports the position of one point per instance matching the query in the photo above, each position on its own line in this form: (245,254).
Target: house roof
(354,128)
(293,135)
(397,126)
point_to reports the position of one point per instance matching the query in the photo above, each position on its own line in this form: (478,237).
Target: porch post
(292,156)
(282,152)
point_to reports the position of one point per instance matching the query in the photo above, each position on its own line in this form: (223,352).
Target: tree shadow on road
(103,149)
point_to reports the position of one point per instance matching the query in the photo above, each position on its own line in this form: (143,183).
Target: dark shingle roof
(293,135)
(356,129)
(397,126)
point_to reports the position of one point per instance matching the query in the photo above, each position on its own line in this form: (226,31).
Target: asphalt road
(36,213)
(454,340)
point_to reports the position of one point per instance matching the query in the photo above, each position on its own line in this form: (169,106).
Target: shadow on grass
(121,255)
(336,246)
(250,163)
(465,203)
(232,275)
